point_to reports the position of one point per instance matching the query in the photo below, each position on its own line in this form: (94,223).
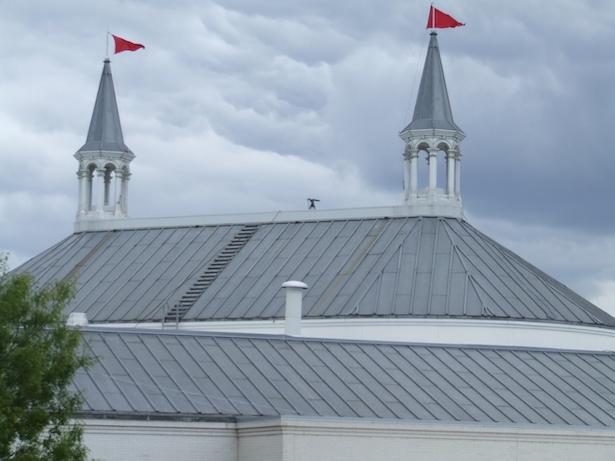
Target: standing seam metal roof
(400,267)
(174,374)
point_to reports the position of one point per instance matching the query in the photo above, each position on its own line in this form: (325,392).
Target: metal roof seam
(292,346)
(541,276)
(154,383)
(215,289)
(444,396)
(265,375)
(498,263)
(178,389)
(379,265)
(241,400)
(397,381)
(221,396)
(485,383)
(307,383)
(520,363)
(124,396)
(224,238)
(106,268)
(361,390)
(179,359)
(241,367)
(274,279)
(470,354)
(489,282)
(549,364)
(449,377)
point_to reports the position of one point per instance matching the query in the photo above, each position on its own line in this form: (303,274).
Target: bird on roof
(312,203)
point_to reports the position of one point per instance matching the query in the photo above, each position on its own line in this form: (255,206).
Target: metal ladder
(215,268)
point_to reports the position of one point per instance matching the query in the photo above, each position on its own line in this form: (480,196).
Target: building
(401,332)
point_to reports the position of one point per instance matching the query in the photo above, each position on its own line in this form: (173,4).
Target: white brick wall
(328,439)
(121,440)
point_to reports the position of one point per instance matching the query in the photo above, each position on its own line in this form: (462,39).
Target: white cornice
(504,333)
(427,209)
(379,428)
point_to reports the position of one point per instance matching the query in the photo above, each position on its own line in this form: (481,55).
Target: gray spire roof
(105,133)
(433,108)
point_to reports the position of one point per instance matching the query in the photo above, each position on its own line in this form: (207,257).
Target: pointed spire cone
(433,108)
(105,133)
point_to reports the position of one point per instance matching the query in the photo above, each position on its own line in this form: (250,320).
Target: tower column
(406,173)
(414,172)
(450,173)
(116,201)
(100,190)
(82,176)
(433,168)
(458,175)
(107,187)
(410,172)
(124,192)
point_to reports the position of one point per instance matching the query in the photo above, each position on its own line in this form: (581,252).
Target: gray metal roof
(173,374)
(414,266)
(105,133)
(433,108)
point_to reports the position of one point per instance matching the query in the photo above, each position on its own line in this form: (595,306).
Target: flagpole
(107,44)
(433,17)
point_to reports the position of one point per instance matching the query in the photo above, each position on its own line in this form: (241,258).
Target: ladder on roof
(213,270)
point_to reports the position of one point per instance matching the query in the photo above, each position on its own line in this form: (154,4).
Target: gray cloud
(254,105)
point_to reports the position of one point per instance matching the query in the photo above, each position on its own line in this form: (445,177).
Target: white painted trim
(430,331)
(149,427)
(368,427)
(347,426)
(421,209)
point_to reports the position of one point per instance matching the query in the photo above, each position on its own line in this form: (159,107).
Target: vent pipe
(77,319)
(294,302)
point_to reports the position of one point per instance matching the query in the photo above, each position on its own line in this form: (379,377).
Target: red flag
(440,20)
(124,45)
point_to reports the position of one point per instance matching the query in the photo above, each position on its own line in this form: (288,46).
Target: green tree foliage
(39,356)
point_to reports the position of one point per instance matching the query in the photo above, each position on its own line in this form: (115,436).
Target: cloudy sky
(254,105)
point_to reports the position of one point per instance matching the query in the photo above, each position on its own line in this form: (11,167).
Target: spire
(433,108)
(105,133)
(433,135)
(104,160)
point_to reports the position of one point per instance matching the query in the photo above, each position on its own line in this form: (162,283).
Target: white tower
(104,160)
(433,135)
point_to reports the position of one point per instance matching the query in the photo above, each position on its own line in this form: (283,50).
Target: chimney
(294,302)
(77,319)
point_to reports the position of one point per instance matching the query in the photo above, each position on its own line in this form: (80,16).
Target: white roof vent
(77,319)
(294,305)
